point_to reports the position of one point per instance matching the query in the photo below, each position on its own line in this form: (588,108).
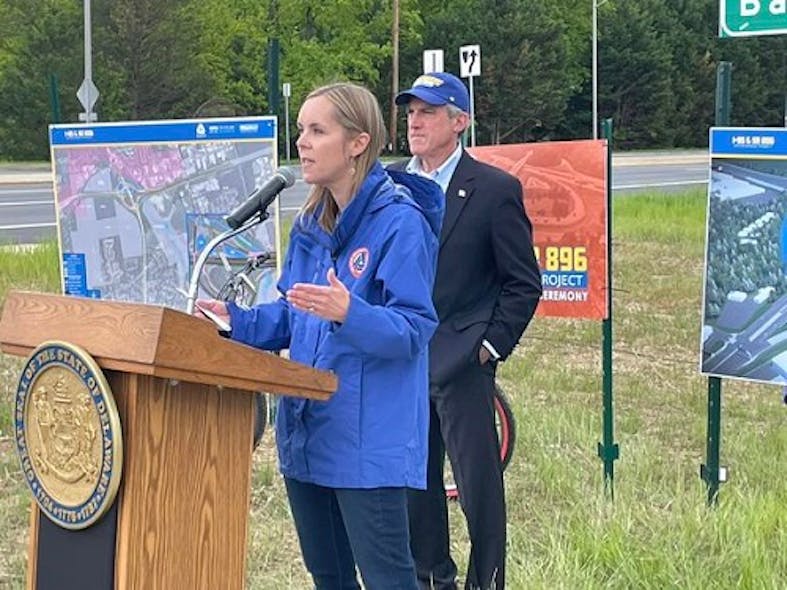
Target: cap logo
(427,80)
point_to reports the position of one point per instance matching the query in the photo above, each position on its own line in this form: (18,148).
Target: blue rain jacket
(373,431)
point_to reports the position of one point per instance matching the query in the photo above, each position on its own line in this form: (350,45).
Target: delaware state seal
(68,435)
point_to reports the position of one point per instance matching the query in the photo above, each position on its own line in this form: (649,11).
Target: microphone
(261,198)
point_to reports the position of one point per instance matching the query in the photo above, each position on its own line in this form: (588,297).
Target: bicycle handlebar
(203,257)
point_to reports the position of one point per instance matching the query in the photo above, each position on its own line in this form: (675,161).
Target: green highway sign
(747,18)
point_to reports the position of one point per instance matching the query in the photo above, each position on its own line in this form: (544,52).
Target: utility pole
(394,74)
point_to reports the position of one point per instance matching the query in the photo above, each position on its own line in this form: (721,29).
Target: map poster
(744,317)
(137,202)
(565,188)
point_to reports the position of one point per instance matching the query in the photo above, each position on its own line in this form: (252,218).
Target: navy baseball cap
(437,89)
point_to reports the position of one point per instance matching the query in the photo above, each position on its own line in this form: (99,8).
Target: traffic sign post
(749,18)
(433,61)
(88,93)
(470,67)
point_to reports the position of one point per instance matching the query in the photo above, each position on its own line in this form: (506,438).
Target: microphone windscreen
(287,175)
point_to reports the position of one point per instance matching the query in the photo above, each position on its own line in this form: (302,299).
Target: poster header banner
(252,128)
(748,142)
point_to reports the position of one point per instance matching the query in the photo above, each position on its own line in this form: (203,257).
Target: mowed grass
(565,532)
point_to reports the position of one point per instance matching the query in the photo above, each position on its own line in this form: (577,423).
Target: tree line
(164,59)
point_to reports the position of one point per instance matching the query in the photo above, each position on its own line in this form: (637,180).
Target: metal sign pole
(472,113)
(88,58)
(470,67)
(88,93)
(710,472)
(608,450)
(594,73)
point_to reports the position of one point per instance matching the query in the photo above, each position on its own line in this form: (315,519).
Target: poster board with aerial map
(137,202)
(744,317)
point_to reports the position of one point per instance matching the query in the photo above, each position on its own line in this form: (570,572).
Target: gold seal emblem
(68,435)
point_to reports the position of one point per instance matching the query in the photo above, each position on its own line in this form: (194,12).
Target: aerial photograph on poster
(744,329)
(564,184)
(137,203)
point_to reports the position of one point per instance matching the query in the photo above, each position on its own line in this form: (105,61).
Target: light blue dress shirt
(443,173)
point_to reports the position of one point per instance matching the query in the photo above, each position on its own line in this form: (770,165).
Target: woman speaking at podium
(356,300)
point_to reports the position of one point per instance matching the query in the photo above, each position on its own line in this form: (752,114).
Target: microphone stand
(255,219)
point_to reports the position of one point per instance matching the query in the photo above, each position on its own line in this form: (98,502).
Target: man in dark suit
(486,291)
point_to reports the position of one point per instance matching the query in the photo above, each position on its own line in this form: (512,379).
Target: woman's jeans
(340,527)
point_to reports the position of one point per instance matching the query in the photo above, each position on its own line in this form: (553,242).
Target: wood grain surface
(184,497)
(153,340)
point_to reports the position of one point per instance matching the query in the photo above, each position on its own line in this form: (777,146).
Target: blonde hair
(357,111)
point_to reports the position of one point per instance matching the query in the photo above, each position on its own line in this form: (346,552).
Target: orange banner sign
(565,187)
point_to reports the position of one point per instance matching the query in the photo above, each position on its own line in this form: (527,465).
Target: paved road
(27,212)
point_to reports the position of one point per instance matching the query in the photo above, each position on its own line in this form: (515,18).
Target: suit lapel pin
(461,193)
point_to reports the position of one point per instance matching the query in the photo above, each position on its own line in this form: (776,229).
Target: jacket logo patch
(358,262)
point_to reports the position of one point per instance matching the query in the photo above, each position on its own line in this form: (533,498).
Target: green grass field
(564,531)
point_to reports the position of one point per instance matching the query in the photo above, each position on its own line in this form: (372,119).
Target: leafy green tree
(342,40)
(326,42)
(37,38)
(158,55)
(155,59)
(531,60)
(759,79)
(692,37)
(636,72)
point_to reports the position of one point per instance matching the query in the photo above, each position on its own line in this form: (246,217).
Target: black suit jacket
(488,283)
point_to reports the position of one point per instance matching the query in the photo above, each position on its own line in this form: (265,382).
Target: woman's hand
(213,310)
(330,302)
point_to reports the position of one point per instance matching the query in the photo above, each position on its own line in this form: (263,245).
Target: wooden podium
(184,397)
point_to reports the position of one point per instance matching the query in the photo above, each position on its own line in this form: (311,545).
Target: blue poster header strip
(164,131)
(748,142)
